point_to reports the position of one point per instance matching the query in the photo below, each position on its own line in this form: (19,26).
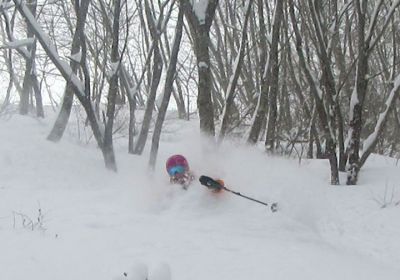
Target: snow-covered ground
(63,216)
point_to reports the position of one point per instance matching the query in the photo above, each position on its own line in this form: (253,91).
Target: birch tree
(113,90)
(200,16)
(81,90)
(269,77)
(273,80)
(368,36)
(81,11)
(157,67)
(230,94)
(324,117)
(167,89)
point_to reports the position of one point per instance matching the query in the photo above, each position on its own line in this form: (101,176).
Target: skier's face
(176,171)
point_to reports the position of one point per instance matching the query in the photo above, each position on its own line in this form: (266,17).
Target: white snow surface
(135,225)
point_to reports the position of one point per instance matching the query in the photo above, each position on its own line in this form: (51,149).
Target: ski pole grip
(210,183)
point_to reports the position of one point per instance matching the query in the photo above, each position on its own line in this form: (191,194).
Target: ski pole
(213,184)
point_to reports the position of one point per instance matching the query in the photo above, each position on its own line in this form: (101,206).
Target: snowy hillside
(63,216)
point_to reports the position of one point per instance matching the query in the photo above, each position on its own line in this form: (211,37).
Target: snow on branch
(18,43)
(334,27)
(372,139)
(50,49)
(76,57)
(114,68)
(388,16)
(374,19)
(5,5)
(23,51)
(200,9)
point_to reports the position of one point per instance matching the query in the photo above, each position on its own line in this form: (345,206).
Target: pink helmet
(177,161)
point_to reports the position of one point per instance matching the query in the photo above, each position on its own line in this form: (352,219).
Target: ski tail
(210,183)
(218,185)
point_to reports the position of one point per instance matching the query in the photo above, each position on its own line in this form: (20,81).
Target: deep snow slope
(63,216)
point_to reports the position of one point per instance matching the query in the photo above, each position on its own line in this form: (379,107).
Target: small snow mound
(138,271)
(141,271)
(161,271)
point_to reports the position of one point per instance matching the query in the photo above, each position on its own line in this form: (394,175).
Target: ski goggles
(176,170)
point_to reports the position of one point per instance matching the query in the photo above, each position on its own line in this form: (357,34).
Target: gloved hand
(183,179)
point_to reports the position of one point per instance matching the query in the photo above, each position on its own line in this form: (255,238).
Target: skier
(179,171)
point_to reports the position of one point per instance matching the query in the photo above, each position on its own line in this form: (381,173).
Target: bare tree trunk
(9,30)
(261,110)
(38,98)
(204,101)
(129,90)
(126,81)
(7,55)
(113,90)
(365,46)
(132,124)
(155,81)
(167,89)
(343,77)
(331,97)
(390,107)
(29,66)
(177,90)
(323,116)
(81,90)
(372,140)
(226,115)
(180,101)
(358,97)
(81,10)
(200,32)
(309,113)
(396,133)
(261,107)
(273,80)
(6,101)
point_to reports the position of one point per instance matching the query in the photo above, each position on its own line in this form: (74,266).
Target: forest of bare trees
(316,79)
